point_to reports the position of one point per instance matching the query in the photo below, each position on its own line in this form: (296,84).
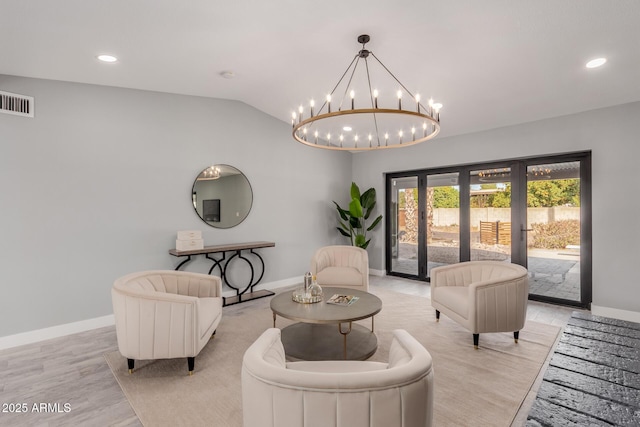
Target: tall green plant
(353,220)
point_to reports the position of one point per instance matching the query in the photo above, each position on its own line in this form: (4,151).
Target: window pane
(553,221)
(404,233)
(443,220)
(490,216)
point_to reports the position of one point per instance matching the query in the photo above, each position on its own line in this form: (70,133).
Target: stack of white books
(189,240)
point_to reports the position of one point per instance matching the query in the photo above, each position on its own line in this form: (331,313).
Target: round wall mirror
(222,196)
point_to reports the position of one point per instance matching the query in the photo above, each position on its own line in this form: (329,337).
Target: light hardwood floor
(72,370)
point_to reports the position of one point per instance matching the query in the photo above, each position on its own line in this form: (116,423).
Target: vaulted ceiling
(491,63)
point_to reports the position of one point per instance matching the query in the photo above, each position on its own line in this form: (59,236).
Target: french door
(534,212)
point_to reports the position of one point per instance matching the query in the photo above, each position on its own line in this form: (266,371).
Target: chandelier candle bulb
(316,135)
(418,101)
(293,118)
(353,95)
(375,98)
(399,100)
(300,110)
(386,139)
(312,103)
(400,135)
(413,134)
(341,139)
(329,103)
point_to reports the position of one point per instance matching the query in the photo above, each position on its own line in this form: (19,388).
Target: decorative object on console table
(189,240)
(242,294)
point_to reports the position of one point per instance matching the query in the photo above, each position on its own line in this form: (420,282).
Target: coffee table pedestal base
(311,341)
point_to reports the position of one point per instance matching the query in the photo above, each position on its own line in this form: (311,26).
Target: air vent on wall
(20,105)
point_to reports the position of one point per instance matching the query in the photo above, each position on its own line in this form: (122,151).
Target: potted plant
(353,220)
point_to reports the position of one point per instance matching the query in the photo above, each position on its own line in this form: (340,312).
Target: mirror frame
(194,197)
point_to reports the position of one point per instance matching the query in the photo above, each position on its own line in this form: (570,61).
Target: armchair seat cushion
(456,299)
(336,366)
(339,276)
(210,312)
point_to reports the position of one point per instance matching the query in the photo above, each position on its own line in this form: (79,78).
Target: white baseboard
(616,313)
(38,335)
(379,273)
(44,334)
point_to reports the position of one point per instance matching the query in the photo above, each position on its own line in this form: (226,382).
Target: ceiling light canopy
(595,63)
(373,118)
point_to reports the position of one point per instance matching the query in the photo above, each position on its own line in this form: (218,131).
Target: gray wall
(612,135)
(97,185)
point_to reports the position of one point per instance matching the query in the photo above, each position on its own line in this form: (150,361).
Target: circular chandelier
(339,125)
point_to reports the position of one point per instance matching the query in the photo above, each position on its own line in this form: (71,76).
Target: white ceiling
(491,63)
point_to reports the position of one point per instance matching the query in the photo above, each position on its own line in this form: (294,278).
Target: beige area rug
(482,387)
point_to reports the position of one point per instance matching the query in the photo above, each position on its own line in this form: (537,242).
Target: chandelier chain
(375,118)
(338,84)
(346,88)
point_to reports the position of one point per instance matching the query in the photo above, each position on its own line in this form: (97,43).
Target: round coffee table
(322,331)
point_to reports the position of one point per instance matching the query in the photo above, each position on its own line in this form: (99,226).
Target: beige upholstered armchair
(482,296)
(165,314)
(341,266)
(276,393)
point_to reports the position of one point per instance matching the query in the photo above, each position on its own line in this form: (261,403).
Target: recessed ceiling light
(107,58)
(228,74)
(347,129)
(594,63)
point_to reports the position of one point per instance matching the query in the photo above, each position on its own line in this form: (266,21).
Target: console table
(245,294)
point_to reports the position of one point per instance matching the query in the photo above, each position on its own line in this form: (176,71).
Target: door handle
(526,229)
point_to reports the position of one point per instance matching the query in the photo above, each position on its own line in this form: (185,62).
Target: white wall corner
(38,335)
(616,313)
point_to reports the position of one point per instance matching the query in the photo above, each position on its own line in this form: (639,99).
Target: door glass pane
(553,224)
(443,220)
(404,233)
(490,215)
